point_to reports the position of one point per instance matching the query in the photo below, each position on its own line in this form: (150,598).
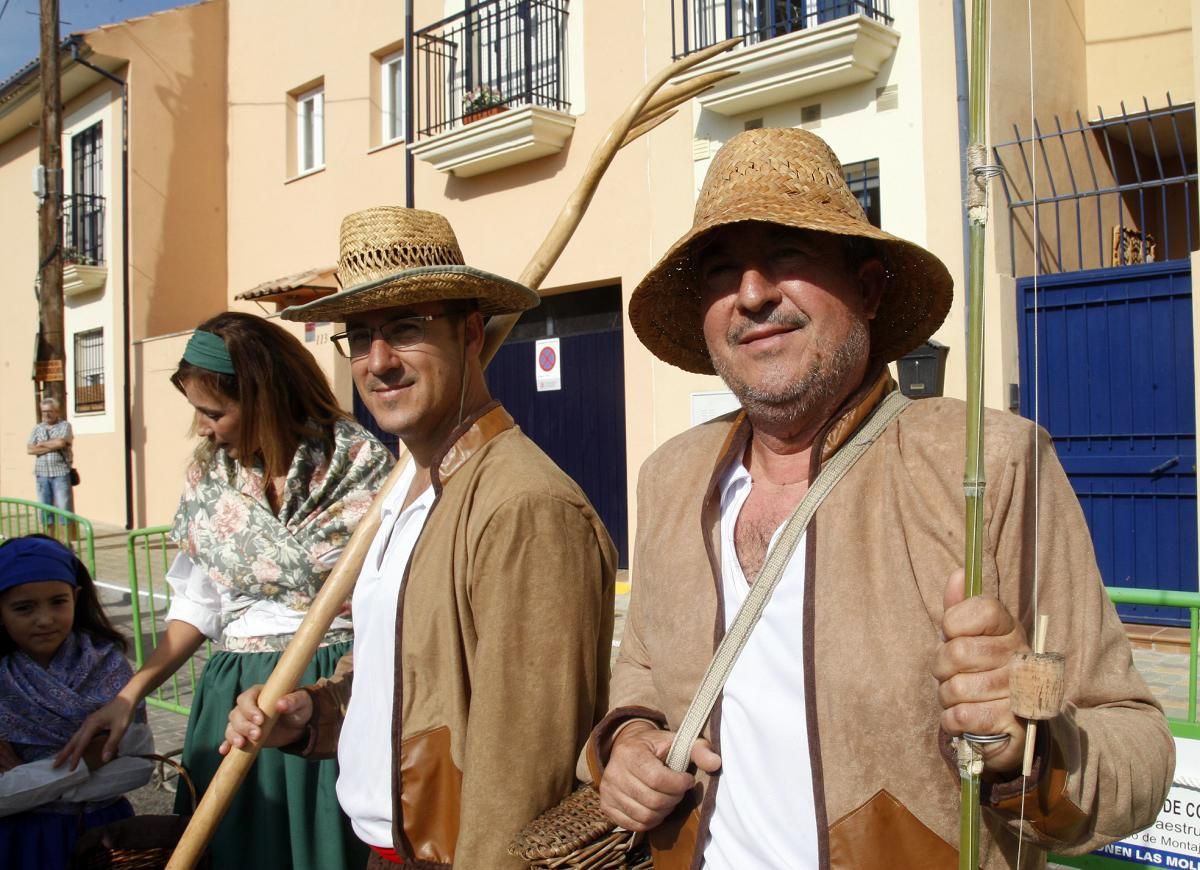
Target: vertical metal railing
(697,24)
(83,229)
(1128,181)
(492,56)
(149,552)
(20,517)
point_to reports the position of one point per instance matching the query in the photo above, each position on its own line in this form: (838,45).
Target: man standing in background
(51,442)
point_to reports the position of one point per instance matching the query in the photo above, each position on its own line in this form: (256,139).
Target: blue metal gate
(1116,393)
(582,426)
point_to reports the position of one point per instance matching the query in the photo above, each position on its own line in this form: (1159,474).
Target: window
(863,179)
(83,210)
(391,69)
(89,371)
(310,130)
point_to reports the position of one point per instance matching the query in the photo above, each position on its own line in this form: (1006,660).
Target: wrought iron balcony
(492,56)
(697,24)
(83,229)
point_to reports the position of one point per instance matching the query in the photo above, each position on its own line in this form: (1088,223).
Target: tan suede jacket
(503,639)
(879,552)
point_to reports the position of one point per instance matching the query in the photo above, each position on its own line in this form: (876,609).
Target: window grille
(1113,191)
(697,24)
(89,371)
(494,55)
(83,209)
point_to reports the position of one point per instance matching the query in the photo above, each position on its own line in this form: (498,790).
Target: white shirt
(765,815)
(200,601)
(364,785)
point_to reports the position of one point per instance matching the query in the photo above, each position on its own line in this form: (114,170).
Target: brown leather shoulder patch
(883,828)
(430,795)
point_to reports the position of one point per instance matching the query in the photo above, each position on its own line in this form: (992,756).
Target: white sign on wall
(706,406)
(1174,838)
(547,364)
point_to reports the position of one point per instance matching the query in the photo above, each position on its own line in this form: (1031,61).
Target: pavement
(1160,655)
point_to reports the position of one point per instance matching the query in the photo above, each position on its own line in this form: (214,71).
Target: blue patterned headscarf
(41,708)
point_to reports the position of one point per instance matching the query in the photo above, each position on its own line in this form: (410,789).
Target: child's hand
(93,753)
(114,717)
(8,757)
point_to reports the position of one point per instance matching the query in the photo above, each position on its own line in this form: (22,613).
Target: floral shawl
(40,708)
(227,528)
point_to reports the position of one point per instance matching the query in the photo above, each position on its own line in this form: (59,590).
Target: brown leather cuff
(319,739)
(600,743)
(1047,807)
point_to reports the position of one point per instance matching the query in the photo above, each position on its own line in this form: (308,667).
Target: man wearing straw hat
(484,610)
(829,744)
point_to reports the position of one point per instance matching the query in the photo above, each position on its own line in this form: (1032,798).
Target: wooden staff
(643,115)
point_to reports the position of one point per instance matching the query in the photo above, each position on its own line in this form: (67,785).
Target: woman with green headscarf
(278,482)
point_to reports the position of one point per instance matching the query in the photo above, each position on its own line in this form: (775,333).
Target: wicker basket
(137,843)
(576,835)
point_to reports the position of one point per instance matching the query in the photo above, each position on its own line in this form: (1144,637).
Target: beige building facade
(255,126)
(144,216)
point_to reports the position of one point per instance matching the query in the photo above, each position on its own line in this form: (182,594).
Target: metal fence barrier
(20,517)
(150,555)
(1189,601)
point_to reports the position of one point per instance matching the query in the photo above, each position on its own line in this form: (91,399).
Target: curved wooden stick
(340,583)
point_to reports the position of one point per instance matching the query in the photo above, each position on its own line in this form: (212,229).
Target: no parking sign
(547,364)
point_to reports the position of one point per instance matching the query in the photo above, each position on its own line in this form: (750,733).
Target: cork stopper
(1036,684)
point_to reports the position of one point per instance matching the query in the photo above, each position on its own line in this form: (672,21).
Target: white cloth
(364,785)
(39,783)
(199,601)
(765,815)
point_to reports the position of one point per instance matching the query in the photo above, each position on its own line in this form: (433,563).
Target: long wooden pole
(970,757)
(51,344)
(340,583)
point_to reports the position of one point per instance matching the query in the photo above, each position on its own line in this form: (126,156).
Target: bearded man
(830,743)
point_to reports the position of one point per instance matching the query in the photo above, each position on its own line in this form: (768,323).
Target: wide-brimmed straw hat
(792,178)
(394,256)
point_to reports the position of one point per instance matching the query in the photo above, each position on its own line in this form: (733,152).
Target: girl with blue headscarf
(60,660)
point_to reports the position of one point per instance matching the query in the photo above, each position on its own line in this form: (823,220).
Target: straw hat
(403,256)
(788,177)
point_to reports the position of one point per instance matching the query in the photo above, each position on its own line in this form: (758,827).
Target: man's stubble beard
(817,389)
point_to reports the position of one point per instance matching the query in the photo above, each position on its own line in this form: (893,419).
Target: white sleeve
(195,598)
(38,782)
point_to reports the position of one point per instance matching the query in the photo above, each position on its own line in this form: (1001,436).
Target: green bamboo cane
(970,759)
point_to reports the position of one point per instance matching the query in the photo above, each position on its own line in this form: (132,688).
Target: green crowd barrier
(1186,727)
(150,553)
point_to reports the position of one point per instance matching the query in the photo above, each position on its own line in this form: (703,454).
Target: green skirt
(285,814)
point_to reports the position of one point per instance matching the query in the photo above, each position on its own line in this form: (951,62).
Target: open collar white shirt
(364,784)
(765,814)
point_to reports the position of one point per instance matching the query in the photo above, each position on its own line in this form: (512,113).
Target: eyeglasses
(398,333)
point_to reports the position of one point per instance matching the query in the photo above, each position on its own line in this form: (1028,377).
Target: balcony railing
(490,57)
(83,229)
(697,24)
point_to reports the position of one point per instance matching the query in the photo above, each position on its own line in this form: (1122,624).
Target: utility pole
(51,349)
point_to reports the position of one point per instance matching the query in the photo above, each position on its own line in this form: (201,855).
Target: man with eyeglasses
(483,613)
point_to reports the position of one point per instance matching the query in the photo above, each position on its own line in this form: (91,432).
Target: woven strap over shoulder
(777,559)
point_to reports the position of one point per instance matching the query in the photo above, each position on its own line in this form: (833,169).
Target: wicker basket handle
(179,768)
